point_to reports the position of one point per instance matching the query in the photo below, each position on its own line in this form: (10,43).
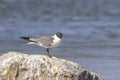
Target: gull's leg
(48,53)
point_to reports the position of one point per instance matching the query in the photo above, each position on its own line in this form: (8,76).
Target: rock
(19,66)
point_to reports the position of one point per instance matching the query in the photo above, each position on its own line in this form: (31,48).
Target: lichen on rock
(19,66)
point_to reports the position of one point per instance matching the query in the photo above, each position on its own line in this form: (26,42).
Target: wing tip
(26,38)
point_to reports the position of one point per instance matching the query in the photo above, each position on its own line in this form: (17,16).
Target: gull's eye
(60,33)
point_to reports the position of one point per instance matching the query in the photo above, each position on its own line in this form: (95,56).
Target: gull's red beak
(64,35)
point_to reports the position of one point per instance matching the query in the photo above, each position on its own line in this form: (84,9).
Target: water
(92,28)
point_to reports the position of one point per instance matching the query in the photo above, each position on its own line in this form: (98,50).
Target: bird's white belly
(55,44)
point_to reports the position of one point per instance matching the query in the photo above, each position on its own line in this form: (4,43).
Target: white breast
(56,41)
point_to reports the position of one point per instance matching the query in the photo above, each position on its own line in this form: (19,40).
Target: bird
(46,41)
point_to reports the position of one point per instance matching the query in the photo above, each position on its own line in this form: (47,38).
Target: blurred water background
(92,28)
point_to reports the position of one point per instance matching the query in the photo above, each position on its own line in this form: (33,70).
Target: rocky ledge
(19,66)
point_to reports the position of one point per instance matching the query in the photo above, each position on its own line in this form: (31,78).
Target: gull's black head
(59,34)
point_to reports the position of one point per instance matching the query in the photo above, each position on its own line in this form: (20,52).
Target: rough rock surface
(19,66)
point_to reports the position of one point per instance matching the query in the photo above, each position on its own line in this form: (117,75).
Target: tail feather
(26,38)
(29,39)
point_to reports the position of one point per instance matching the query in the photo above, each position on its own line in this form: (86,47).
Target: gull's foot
(49,56)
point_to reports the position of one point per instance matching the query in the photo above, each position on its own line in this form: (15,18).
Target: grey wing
(47,41)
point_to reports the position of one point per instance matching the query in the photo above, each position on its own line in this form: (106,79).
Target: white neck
(56,37)
(56,41)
